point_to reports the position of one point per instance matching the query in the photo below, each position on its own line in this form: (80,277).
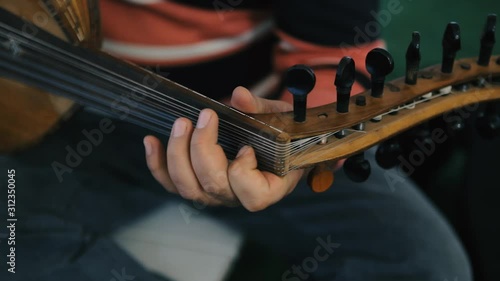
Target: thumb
(243,100)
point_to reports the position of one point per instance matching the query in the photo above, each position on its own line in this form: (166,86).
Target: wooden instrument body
(281,144)
(29,113)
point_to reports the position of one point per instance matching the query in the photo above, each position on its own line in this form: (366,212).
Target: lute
(283,141)
(32,112)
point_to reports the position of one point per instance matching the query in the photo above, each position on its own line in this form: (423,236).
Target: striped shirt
(214,46)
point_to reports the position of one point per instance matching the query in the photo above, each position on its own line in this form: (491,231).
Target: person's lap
(375,230)
(380,232)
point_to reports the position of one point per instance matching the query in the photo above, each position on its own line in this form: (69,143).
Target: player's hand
(195,166)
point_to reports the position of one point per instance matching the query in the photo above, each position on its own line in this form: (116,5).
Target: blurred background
(461,178)
(430,19)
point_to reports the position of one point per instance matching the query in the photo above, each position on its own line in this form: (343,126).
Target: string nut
(465,66)
(341,134)
(426,75)
(359,127)
(360,100)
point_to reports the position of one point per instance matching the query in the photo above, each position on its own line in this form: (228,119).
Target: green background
(430,18)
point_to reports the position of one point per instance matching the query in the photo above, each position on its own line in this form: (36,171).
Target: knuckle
(235,169)
(188,194)
(184,192)
(215,183)
(170,188)
(255,206)
(197,141)
(177,182)
(202,203)
(210,187)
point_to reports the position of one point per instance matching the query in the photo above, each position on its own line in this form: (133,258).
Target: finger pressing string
(157,163)
(208,158)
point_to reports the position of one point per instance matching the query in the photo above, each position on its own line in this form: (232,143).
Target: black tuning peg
(387,154)
(487,41)
(413,59)
(344,79)
(455,124)
(379,64)
(488,122)
(451,45)
(357,168)
(299,81)
(417,144)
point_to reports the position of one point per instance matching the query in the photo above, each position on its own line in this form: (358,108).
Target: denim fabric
(368,231)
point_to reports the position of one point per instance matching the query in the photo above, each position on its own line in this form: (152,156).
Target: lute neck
(35,57)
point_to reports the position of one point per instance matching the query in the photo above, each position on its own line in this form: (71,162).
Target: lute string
(294,147)
(196,111)
(185,106)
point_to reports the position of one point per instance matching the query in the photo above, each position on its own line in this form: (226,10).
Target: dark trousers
(383,229)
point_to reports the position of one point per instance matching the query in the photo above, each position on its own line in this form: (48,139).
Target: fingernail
(148,148)
(179,128)
(203,119)
(243,151)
